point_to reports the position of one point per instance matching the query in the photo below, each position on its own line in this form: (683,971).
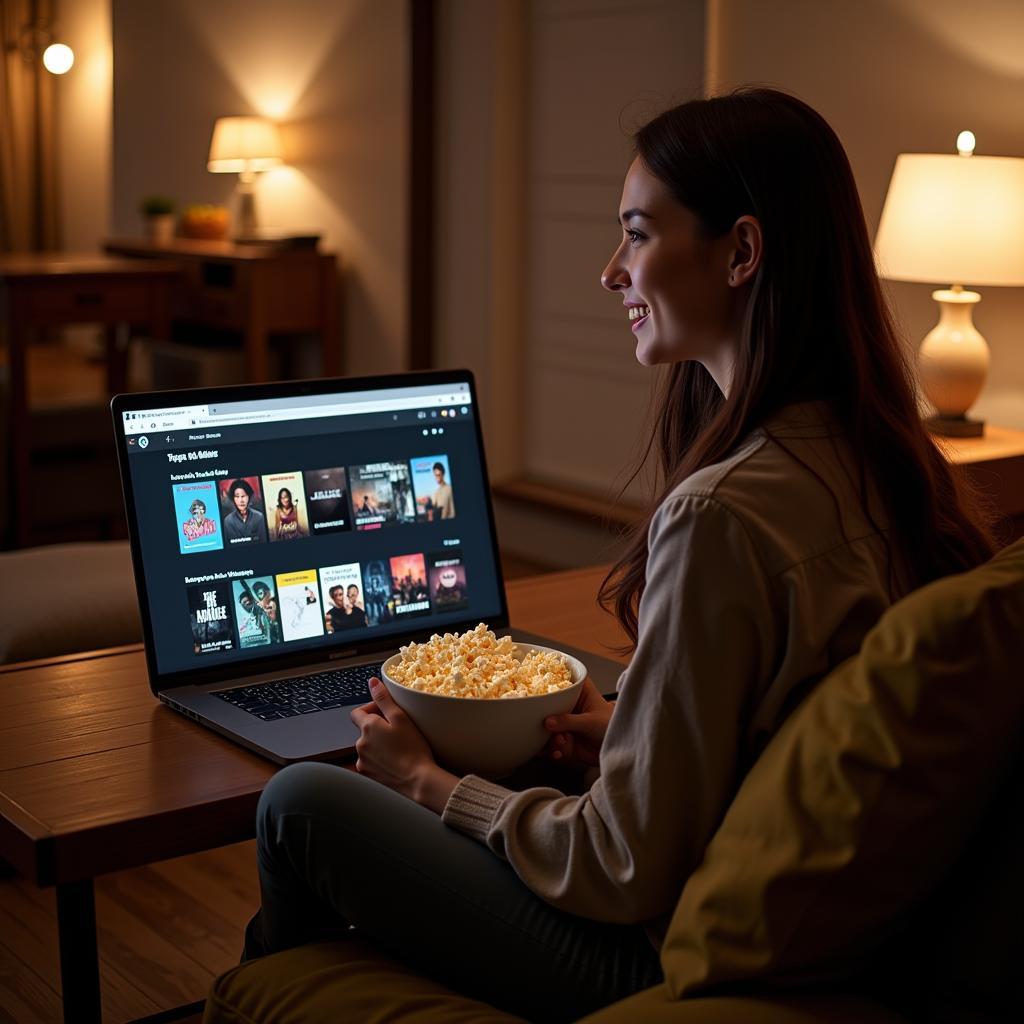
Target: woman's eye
(634,236)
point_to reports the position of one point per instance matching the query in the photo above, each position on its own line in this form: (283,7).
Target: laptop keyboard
(302,695)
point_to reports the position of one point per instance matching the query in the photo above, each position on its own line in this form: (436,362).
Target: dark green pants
(338,850)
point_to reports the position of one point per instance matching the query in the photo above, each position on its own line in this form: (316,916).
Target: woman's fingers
(587,724)
(364,711)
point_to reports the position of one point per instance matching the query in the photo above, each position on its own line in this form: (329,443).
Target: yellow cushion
(657,1006)
(342,982)
(867,796)
(335,982)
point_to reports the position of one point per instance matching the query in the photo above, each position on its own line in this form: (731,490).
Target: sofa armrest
(64,598)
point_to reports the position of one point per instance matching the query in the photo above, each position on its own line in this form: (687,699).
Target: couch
(64,599)
(868,870)
(70,598)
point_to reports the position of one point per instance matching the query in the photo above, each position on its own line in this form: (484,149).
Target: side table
(40,290)
(255,290)
(995,463)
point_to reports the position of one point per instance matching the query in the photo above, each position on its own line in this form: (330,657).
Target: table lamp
(243,146)
(953,218)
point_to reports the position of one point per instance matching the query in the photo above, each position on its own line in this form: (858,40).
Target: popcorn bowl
(486,736)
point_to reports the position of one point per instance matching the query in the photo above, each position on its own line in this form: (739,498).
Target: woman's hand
(578,735)
(391,750)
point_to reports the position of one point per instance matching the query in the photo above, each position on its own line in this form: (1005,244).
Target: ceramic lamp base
(955,426)
(953,360)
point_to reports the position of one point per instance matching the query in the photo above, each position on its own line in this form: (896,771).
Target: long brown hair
(816,327)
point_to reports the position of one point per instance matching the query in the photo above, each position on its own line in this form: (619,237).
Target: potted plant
(159,214)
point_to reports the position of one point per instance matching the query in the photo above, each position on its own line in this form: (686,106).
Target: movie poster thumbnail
(285,500)
(432,480)
(242,512)
(209,610)
(341,589)
(377,592)
(409,593)
(257,617)
(327,500)
(381,495)
(196,513)
(302,614)
(447,580)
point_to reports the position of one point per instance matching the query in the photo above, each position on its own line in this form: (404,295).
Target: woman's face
(673,281)
(284,499)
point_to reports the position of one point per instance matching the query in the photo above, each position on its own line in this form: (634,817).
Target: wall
(588,396)
(533,142)
(478,311)
(895,76)
(83,124)
(335,72)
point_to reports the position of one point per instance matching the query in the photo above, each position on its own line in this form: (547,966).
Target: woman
(286,517)
(799,496)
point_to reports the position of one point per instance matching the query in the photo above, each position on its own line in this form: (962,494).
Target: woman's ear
(747,248)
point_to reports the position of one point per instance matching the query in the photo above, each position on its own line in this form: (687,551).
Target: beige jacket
(759,581)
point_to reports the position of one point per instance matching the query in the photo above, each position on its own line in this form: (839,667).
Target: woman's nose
(614,276)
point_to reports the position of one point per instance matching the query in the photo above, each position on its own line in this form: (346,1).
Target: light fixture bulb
(965,143)
(58,58)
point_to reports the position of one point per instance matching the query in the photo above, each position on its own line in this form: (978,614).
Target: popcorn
(477,664)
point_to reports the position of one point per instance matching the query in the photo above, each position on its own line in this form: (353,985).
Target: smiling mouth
(638,315)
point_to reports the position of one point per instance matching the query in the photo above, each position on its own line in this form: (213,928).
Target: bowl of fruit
(205,221)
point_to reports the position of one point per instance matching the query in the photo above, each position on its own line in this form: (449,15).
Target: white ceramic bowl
(490,737)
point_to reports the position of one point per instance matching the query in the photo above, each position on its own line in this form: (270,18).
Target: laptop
(288,538)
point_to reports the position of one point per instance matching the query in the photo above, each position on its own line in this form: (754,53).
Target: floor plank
(34,911)
(165,932)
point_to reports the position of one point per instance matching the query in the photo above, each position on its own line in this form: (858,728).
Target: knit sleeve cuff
(473,806)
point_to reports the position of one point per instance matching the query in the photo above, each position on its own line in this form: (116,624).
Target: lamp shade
(953,220)
(244,144)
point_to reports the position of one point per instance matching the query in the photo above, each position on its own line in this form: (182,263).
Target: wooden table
(44,290)
(255,290)
(995,463)
(96,775)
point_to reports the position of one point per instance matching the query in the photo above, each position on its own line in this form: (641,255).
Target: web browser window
(312,522)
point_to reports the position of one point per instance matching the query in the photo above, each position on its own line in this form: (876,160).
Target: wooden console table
(255,290)
(995,463)
(41,290)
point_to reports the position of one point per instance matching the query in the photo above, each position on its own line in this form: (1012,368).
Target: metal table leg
(79,957)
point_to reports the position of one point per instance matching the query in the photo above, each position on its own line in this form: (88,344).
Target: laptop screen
(267,523)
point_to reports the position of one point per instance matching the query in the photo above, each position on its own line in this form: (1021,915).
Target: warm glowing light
(965,143)
(58,58)
(244,144)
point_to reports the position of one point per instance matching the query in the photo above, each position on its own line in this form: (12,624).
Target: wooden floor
(165,932)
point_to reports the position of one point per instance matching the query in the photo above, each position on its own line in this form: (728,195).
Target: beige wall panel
(83,124)
(336,73)
(895,76)
(604,445)
(598,70)
(570,195)
(566,267)
(599,73)
(593,345)
(479,294)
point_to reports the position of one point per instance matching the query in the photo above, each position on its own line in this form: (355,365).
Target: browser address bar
(316,412)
